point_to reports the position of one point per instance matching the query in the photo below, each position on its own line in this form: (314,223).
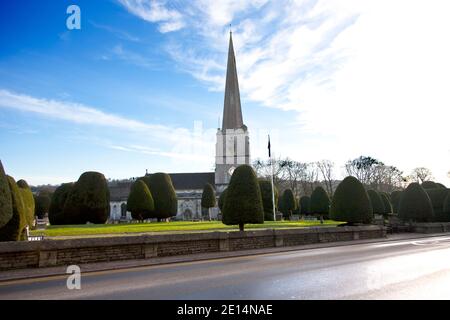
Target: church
(232,150)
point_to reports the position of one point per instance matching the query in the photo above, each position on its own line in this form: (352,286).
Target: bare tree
(420,175)
(326,170)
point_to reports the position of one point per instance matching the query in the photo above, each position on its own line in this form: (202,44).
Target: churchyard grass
(167,227)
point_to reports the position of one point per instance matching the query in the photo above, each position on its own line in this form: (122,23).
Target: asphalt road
(406,269)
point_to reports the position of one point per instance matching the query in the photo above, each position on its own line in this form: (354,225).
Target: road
(405,269)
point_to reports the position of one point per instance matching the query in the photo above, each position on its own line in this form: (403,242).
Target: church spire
(232,113)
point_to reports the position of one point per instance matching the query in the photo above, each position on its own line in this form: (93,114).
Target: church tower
(232,146)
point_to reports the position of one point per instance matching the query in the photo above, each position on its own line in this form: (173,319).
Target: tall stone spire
(232,113)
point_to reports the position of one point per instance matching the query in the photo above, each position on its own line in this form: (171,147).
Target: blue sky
(140,86)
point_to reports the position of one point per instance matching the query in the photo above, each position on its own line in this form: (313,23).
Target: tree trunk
(241,227)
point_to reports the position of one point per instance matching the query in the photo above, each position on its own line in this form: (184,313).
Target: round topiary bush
(429,185)
(320,202)
(58,200)
(395,200)
(305,205)
(376,202)
(164,196)
(266,194)
(140,201)
(6,208)
(288,203)
(88,201)
(437,197)
(351,203)
(243,203)
(415,205)
(446,206)
(28,201)
(387,204)
(12,231)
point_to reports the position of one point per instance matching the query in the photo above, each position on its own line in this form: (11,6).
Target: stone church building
(232,150)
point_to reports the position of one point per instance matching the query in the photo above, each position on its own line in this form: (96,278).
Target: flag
(268,146)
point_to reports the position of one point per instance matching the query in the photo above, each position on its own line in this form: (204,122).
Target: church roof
(232,113)
(190,181)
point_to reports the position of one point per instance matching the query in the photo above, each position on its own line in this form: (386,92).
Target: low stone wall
(431,227)
(47,253)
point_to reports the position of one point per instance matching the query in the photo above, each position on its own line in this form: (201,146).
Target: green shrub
(243,203)
(440,185)
(222,199)
(88,201)
(437,198)
(376,202)
(12,231)
(164,195)
(446,206)
(415,205)
(429,185)
(6,207)
(288,203)
(395,200)
(208,196)
(305,205)
(28,201)
(41,205)
(320,202)
(58,200)
(351,203)
(266,194)
(387,204)
(140,201)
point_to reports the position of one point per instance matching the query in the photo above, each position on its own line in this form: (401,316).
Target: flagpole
(273,189)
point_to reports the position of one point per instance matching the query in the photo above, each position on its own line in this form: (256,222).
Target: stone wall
(431,227)
(46,253)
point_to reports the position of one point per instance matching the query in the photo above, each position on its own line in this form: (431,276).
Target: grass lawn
(125,228)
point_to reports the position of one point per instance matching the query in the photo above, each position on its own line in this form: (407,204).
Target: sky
(140,86)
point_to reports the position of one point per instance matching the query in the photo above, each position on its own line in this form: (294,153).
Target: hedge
(415,205)
(58,200)
(437,198)
(12,231)
(243,203)
(351,203)
(6,208)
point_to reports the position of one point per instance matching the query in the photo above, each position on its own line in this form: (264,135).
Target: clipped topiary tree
(243,202)
(351,203)
(41,205)
(266,194)
(415,205)
(140,201)
(222,199)
(164,196)
(88,201)
(305,205)
(288,203)
(208,198)
(376,202)
(440,185)
(28,201)
(58,200)
(387,204)
(6,207)
(12,231)
(320,202)
(437,198)
(446,206)
(395,200)
(429,185)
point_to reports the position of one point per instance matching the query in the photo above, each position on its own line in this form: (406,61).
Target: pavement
(406,266)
